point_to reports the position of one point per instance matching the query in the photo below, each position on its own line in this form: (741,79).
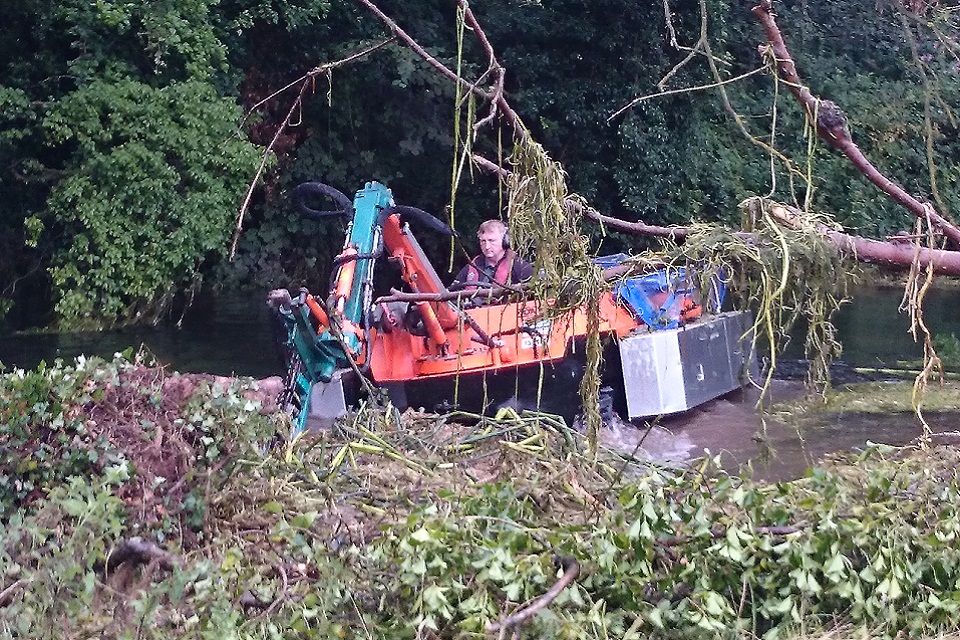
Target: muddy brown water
(733,428)
(232,336)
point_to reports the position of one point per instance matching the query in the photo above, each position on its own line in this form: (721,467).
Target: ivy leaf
(273,507)
(421,535)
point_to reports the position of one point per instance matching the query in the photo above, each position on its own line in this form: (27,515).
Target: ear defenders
(506,238)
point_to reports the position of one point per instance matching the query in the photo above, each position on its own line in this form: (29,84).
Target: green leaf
(273,507)
(73,507)
(304,520)
(421,535)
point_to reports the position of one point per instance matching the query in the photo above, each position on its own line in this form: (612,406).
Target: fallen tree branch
(897,255)
(639,228)
(571,569)
(831,124)
(6,596)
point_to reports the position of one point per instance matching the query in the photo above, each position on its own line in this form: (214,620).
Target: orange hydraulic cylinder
(345,279)
(318,313)
(432,324)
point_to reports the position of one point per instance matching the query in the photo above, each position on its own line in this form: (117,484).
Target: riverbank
(173,507)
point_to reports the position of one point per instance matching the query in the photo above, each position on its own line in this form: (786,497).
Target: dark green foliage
(122,167)
(84,84)
(948,350)
(154,177)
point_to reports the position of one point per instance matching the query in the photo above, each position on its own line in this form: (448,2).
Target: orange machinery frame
(511,335)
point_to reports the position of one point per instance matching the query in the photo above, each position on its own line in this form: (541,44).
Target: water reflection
(226,335)
(731,428)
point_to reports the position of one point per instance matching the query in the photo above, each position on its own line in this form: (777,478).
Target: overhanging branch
(831,124)
(898,255)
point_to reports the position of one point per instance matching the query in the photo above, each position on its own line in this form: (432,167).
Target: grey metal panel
(327,402)
(705,354)
(743,363)
(677,369)
(652,373)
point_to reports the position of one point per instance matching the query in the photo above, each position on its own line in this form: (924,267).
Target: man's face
(491,245)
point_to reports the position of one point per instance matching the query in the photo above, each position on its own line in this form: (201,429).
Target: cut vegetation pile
(138,503)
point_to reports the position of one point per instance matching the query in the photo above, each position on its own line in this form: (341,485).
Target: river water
(231,335)
(222,335)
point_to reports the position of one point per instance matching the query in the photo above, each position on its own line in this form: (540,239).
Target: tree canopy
(126,153)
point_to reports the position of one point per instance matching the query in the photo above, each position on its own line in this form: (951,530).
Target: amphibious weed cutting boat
(441,350)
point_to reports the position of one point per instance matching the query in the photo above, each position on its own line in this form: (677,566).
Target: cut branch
(570,572)
(483,294)
(6,596)
(478,295)
(831,124)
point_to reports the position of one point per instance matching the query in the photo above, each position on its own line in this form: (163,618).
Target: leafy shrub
(43,434)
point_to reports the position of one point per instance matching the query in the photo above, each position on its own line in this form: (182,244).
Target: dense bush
(427,528)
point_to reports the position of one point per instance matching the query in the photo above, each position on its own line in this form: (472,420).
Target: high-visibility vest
(500,277)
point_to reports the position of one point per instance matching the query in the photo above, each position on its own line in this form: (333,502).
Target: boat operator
(497,264)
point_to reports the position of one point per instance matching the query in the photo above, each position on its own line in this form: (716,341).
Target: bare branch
(419,50)
(639,228)
(322,69)
(263,165)
(691,51)
(670,92)
(495,95)
(477,295)
(498,103)
(304,83)
(570,572)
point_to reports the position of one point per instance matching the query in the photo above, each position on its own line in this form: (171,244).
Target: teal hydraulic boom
(325,340)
